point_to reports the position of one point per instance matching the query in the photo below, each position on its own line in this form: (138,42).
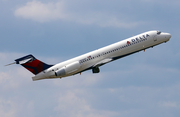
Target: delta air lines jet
(93,60)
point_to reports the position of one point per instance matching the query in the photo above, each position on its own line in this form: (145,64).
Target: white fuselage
(104,55)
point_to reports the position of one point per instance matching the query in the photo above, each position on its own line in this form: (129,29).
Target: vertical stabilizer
(32,64)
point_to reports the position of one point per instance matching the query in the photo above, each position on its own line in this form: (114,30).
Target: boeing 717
(93,60)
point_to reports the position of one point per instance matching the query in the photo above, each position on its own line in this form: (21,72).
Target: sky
(143,84)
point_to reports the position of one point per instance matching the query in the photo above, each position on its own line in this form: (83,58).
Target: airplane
(93,60)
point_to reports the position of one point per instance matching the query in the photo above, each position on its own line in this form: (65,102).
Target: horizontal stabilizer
(25,59)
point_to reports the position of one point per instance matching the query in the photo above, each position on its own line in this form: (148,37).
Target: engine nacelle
(68,69)
(60,72)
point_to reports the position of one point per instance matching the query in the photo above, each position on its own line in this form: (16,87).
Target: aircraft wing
(100,63)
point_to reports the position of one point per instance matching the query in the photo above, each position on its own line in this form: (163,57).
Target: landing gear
(95,70)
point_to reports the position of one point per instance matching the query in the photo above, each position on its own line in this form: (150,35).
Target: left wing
(103,62)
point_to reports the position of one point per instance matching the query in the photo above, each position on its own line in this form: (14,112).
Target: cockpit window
(158,32)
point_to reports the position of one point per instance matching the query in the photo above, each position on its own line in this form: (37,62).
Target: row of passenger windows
(104,53)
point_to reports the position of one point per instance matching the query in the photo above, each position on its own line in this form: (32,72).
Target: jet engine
(68,69)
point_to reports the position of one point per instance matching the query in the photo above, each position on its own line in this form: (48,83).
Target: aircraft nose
(167,36)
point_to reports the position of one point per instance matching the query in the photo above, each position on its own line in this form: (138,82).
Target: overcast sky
(146,84)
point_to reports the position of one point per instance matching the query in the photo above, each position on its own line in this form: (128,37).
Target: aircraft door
(155,38)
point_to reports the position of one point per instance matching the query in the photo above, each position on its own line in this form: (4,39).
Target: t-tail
(32,64)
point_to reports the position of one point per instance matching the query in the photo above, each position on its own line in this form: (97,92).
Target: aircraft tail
(32,64)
